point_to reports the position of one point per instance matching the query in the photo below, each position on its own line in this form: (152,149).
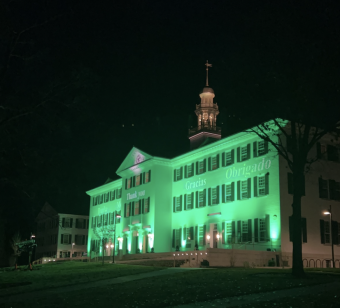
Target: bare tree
(103,234)
(294,141)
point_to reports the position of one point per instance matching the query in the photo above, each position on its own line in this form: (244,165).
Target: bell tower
(206,112)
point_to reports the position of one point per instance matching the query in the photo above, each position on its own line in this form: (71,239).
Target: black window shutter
(318,150)
(192,169)
(233,191)
(204,197)
(218,194)
(63,222)
(233,233)
(196,234)
(181,172)
(132,211)
(77,224)
(204,235)
(174,204)
(335,237)
(180,202)
(248,150)
(255,186)
(239,231)
(256,230)
(197,171)
(249,187)
(175,175)
(149,175)
(125,183)
(180,237)
(204,165)
(217,161)
(255,149)
(209,196)
(185,171)
(238,190)
(223,159)
(322,231)
(209,163)
(142,205)
(62,239)
(125,210)
(268,228)
(250,235)
(185,202)
(290,183)
(223,232)
(265,147)
(266,183)
(197,199)
(304,229)
(291,228)
(223,193)
(232,156)
(185,233)
(173,237)
(238,154)
(143,178)
(71,222)
(133,181)
(191,233)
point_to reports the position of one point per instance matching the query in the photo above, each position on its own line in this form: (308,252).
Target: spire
(207,65)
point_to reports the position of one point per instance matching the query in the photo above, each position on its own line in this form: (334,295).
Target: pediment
(135,157)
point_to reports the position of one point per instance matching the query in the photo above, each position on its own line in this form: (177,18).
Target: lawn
(194,286)
(61,274)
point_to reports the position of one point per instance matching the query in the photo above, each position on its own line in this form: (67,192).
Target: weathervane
(207,65)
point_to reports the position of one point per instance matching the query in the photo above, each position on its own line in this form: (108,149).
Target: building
(60,235)
(226,194)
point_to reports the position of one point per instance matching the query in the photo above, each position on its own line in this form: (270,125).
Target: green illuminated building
(230,193)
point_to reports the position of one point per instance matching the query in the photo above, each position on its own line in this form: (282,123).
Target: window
(177,204)
(261,185)
(146,205)
(228,192)
(106,195)
(228,158)
(189,201)
(119,214)
(243,153)
(65,239)
(200,198)
(213,195)
(189,236)
(118,193)
(189,170)
(230,232)
(178,174)
(112,195)
(176,238)
(128,183)
(201,166)
(334,190)
(138,182)
(105,219)
(81,223)
(323,188)
(67,222)
(136,209)
(79,239)
(127,208)
(214,162)
(95,201)
(327,232)
(201,235)
(243,189)
(261,229)
(328,152)
(244,231)
(303,229)
(291,184)
(260,148)
(147,177)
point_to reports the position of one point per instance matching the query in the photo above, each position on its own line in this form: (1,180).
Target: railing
(205,128)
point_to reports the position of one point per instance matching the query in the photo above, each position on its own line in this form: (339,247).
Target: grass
(61,274)
(192,286)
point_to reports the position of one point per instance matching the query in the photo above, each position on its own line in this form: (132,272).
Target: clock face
(139,159)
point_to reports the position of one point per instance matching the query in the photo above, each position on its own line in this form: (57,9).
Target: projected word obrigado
(247,170)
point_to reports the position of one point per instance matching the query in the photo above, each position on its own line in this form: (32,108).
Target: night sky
(99,65)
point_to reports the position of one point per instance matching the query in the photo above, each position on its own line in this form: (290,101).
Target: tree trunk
(297,269)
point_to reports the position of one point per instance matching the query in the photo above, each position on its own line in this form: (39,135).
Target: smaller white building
(60,235)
